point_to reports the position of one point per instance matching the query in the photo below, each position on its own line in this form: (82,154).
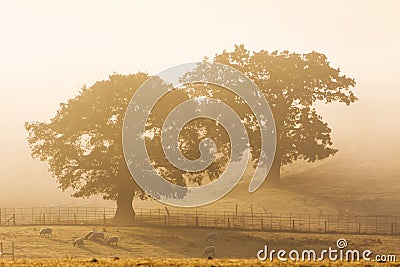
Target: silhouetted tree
(83,143)
(292,83)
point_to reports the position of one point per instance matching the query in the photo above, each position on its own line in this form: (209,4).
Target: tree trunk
(274,175)
(125,213)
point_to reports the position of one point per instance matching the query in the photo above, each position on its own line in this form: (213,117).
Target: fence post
(14,219)
(300,223)
(224,219)
(236,209)
(229,224)
(252,221)
(271,220)
(12,247)
(104,216)
(338,224)
(359,227)
(262,224)
(293,225)
(392,229)
(386,223)
(1,249)
(328,223)
(356,223)
(165,220)
(325,227)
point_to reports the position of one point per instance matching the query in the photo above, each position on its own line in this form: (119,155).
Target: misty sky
(49,49)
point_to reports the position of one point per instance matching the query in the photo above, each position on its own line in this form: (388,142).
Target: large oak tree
(293,83)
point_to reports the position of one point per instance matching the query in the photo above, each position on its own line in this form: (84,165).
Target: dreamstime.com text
(340,253)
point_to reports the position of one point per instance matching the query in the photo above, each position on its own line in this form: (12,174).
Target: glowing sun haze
(49,49)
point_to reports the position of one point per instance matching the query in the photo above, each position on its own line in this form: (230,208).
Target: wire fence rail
(309,223)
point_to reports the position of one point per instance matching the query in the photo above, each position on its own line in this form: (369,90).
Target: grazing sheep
(211,237)
(112,239)
(78,242)
(88,235)
(209,251)
(96,235)
(45,232)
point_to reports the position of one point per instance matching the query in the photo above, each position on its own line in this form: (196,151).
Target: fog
(49,50)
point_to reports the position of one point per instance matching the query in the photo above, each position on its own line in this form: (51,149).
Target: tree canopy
(292,83)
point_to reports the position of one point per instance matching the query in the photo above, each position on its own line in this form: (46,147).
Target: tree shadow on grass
(122,248)
(60,241)
(85,248)
(104,243)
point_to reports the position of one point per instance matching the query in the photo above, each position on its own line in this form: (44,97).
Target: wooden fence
(311,223)
(10,253)
(56,215)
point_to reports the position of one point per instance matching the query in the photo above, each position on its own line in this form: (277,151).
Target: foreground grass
(174,242)
(169,262)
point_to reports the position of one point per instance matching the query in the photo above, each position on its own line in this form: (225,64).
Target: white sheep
(209,251)
(88,235)
(211,237)
(97,235)
(112,239)
(78,242)
(45,232)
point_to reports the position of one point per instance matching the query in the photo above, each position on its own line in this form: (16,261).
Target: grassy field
(177,244)
(171,262)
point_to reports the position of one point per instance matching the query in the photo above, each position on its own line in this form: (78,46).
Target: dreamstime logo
(341,243)
(147,96)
